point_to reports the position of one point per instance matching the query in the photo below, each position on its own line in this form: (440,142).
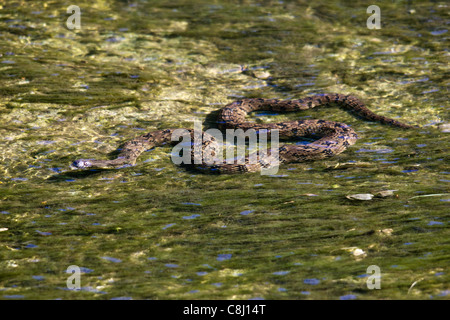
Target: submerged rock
(385,193)
(360,196)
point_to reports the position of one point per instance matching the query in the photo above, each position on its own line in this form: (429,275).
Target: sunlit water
(157,231)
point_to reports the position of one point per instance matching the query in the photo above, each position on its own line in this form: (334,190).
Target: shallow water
(156,231)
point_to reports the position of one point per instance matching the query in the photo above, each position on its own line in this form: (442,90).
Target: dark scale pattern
(335,136)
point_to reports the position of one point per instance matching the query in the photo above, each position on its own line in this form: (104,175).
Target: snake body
(334,138)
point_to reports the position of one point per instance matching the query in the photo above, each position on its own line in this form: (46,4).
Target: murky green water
(156,231)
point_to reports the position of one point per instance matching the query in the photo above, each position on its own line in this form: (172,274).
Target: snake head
(81,164)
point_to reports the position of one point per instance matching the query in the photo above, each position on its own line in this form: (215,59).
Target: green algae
(132,68)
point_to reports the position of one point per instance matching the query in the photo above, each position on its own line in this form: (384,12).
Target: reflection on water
(157,231)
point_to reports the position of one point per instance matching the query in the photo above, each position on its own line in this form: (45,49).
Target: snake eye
(81,164)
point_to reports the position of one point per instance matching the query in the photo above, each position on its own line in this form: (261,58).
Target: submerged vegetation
(157,231)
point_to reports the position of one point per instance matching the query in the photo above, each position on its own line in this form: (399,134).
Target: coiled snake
(334,138)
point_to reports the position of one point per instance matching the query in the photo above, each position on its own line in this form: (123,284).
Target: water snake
(334,137)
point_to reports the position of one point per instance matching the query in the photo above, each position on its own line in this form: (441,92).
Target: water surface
(156,231)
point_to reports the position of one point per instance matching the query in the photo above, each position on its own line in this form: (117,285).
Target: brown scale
(334,138)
